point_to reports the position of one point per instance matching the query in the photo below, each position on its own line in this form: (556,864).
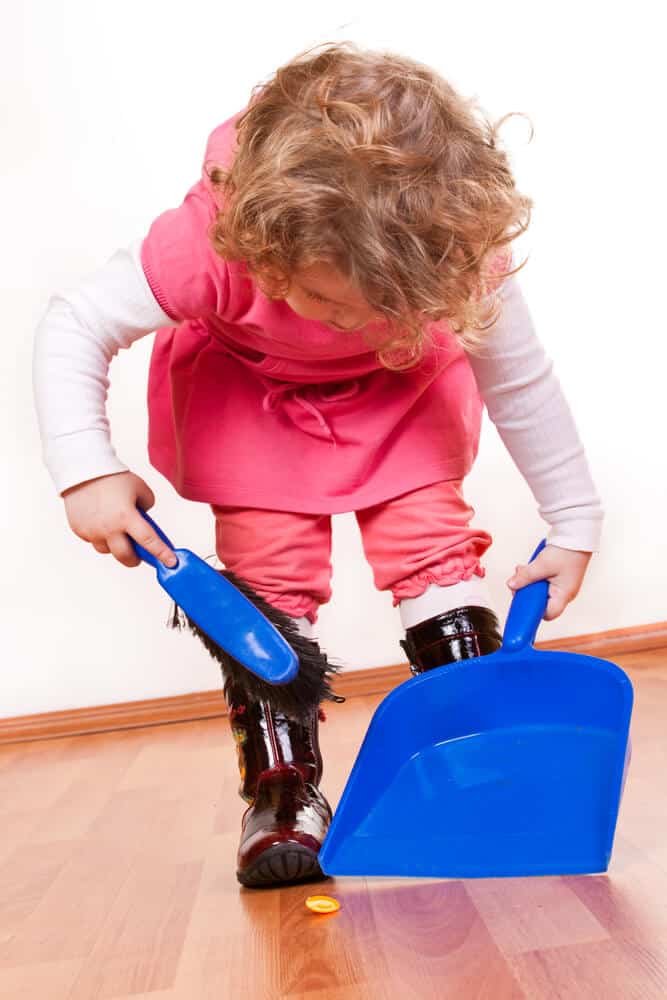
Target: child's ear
(272,282)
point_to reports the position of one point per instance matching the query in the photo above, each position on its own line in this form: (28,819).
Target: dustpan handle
(526,612)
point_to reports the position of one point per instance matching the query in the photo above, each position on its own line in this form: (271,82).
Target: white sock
(305,627)
(437,600)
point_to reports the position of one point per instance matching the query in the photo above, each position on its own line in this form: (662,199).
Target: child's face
(321,293)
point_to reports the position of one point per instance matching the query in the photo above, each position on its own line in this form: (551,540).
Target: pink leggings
(411,541)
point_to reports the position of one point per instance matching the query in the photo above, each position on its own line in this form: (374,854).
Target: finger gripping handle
(140,550)
(526,612)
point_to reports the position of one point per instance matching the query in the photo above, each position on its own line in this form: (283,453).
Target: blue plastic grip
(144,553)
(526,612)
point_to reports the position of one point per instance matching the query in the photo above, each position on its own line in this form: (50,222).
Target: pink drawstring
(275,397)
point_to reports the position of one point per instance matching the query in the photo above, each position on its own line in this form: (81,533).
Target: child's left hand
(563,568)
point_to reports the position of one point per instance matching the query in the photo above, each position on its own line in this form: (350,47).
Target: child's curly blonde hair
(372,163)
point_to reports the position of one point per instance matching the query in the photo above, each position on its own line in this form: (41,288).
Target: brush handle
(526,612)
(144,553)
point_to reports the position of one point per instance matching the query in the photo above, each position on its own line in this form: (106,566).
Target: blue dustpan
(504,765)
(223,612)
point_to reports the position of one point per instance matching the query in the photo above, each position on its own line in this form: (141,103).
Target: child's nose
(347,325)
(349,322)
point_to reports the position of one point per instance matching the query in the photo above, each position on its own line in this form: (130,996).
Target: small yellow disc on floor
(322,904)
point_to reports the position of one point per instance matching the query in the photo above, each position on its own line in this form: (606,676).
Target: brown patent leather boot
(287,817)
(454,635)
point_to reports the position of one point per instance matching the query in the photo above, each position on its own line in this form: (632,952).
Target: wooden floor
(117,879)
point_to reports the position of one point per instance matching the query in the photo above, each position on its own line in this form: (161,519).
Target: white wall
(106,110)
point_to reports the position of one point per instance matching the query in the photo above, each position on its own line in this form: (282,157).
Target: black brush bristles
(298,697)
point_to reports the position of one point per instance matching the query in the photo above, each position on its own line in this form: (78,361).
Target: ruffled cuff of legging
(294,605)
(444,575)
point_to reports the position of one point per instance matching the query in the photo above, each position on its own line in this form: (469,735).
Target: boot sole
(282,864)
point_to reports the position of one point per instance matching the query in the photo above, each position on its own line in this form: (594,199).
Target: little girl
(334,302)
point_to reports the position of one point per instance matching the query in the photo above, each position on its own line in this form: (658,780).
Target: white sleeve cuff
(76,458)
(581,536)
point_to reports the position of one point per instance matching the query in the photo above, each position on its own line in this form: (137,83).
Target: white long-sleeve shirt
(83,328)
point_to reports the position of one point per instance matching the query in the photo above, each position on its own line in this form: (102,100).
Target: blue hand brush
(256,643)
(222,611)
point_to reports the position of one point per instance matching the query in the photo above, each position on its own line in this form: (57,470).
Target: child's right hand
(103,511)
